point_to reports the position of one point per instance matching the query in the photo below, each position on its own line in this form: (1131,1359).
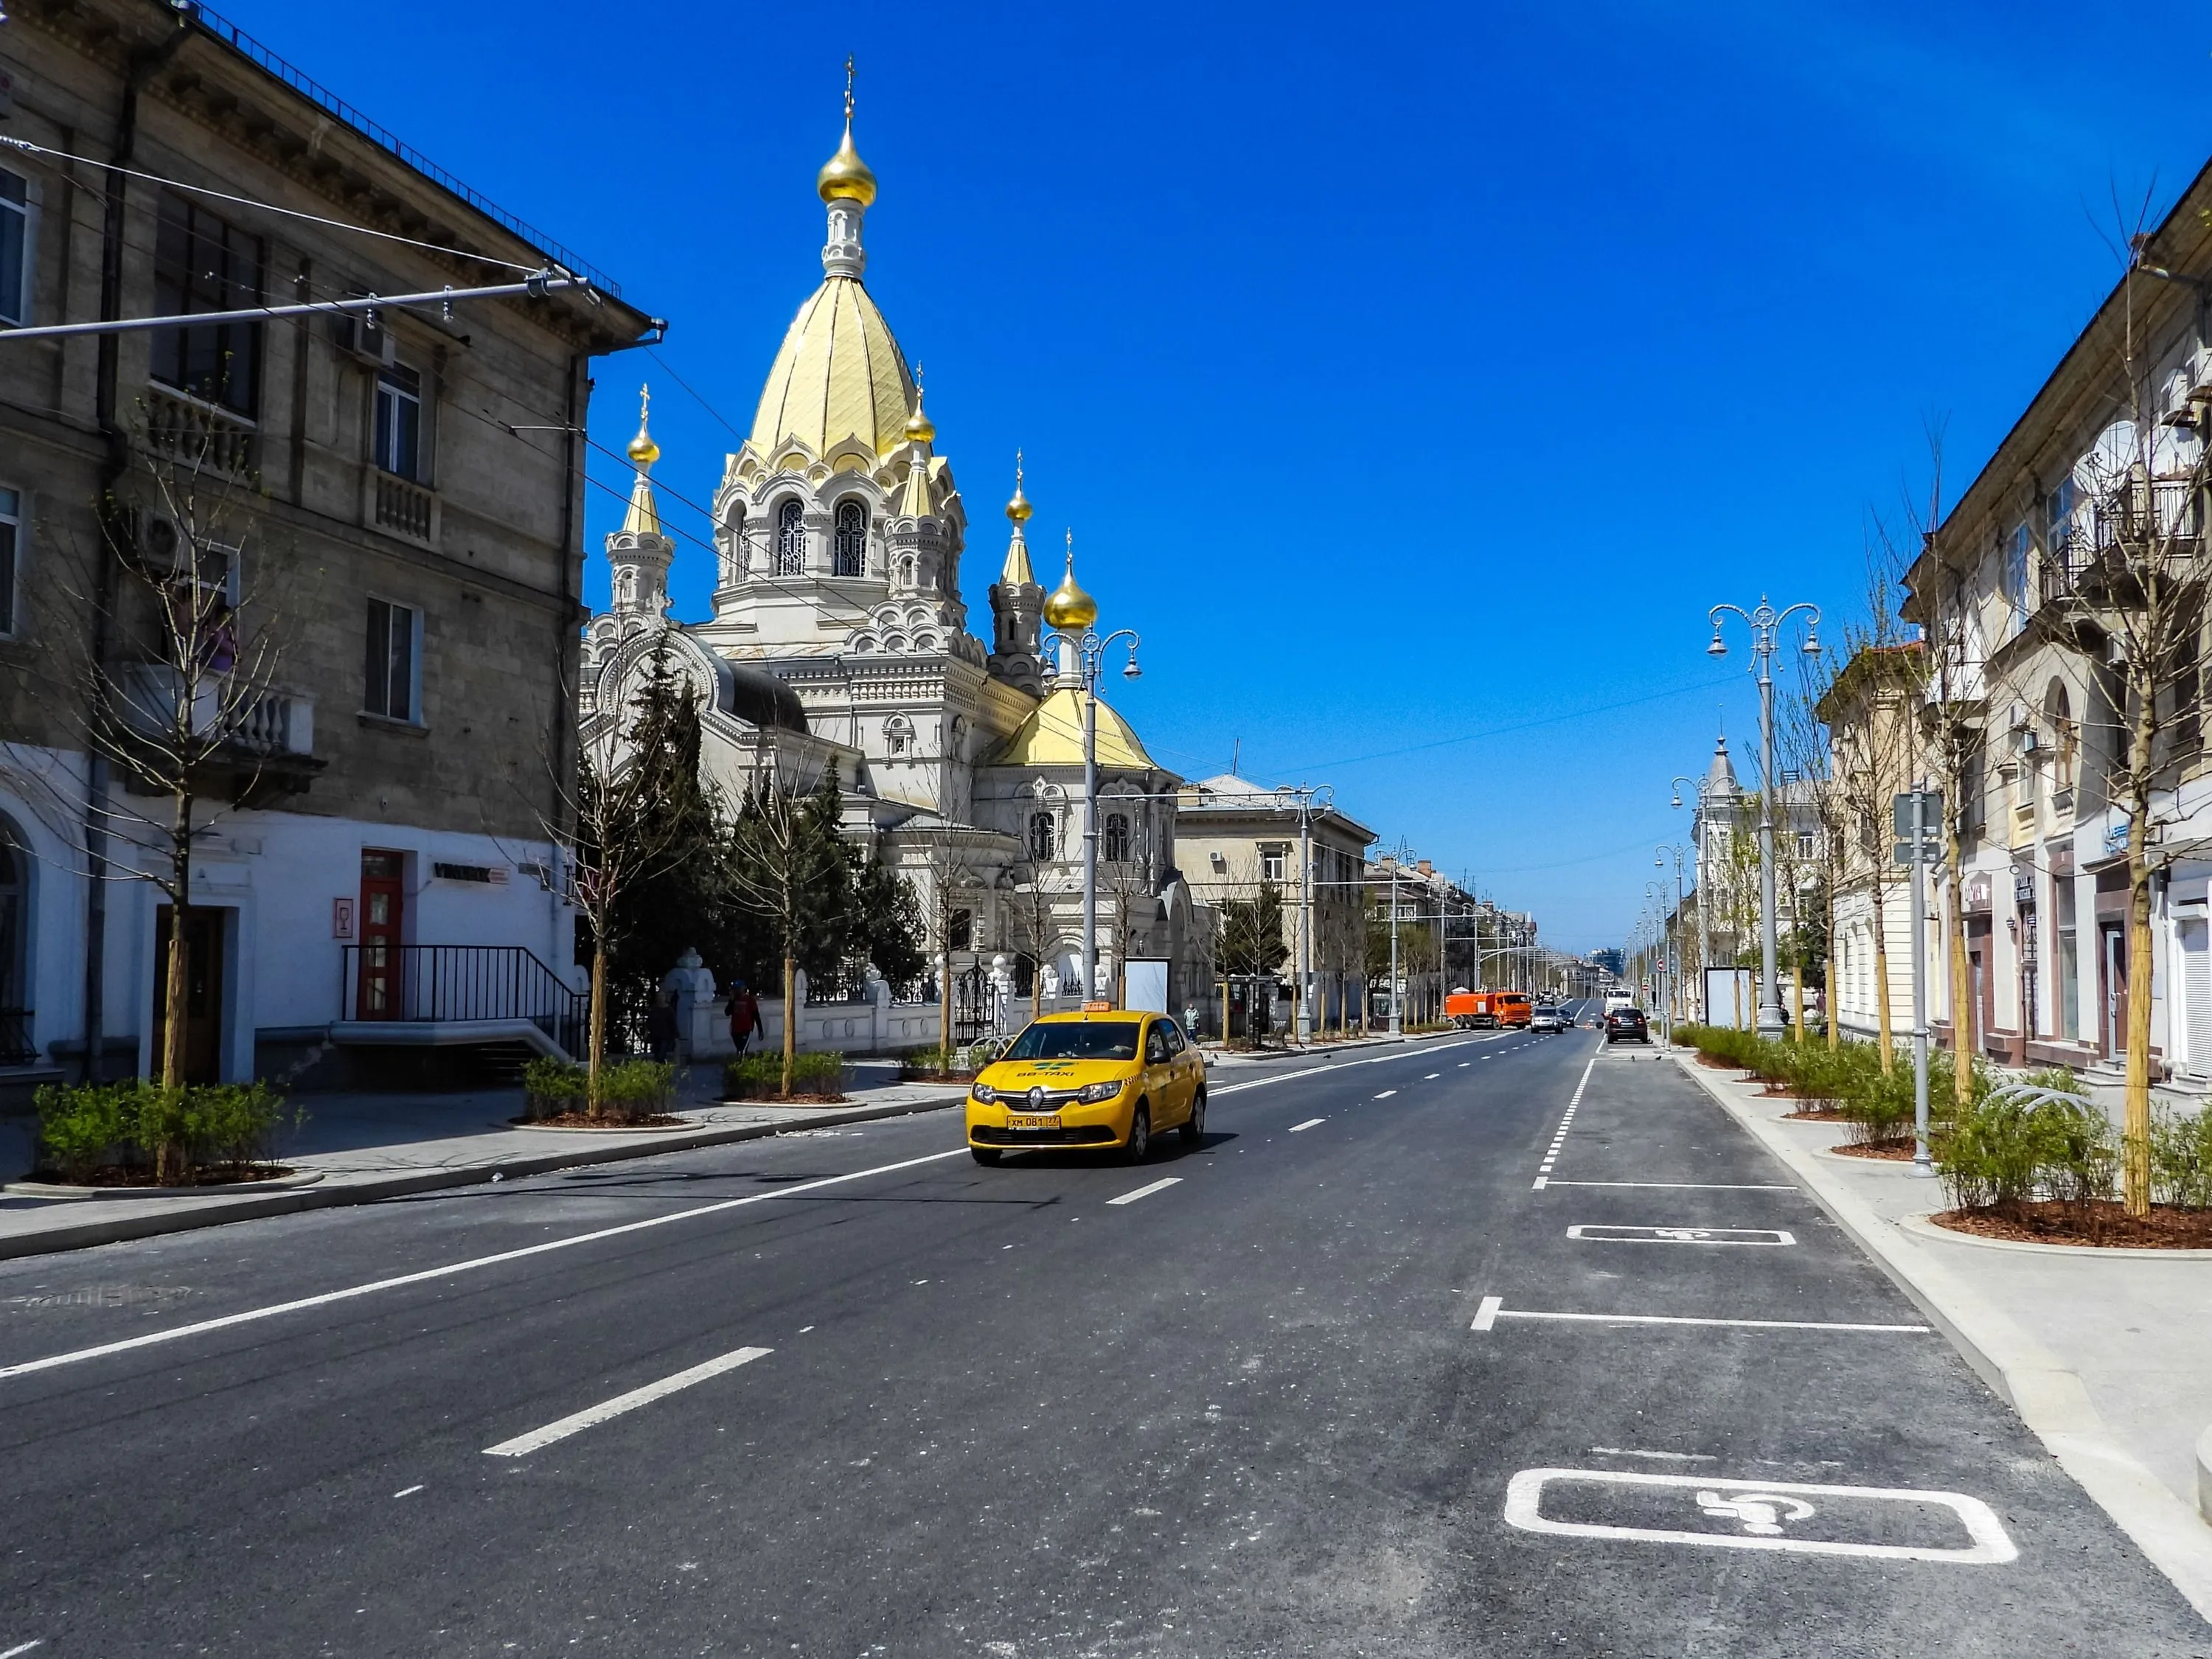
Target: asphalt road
(999,1412)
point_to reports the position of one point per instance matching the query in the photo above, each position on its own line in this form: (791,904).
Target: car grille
(1081,1134)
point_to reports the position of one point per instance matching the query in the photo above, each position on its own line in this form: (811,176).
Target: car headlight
(982,1093)
(1092,1093)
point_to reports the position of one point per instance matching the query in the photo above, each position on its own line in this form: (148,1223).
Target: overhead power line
(537,286)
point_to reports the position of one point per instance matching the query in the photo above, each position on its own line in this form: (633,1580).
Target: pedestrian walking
(745,1016)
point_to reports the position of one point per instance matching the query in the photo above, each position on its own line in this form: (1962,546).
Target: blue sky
(1413,380)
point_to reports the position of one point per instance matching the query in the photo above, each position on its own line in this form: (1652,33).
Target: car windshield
(1106,1040)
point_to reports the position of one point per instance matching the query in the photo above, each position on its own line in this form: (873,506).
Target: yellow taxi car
(1111,1078)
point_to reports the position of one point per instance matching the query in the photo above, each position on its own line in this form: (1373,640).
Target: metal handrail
(461,983)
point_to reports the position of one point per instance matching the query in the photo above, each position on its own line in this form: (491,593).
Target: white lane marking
(24,1647)
(250,1316)
(1432,1076)
(523,1445)
(1664,1457)
(1308,1124)
(407,1491)
(1676,1186)
(1682,1319)
(1551,1153)
(1485,1315)
(1605,1233)
(1160,1186)
(1542,1181)
(1763,1509)
(1342,1066)
(1464,1064)
(1386,1094)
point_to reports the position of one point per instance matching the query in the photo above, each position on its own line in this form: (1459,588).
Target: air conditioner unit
(362,334)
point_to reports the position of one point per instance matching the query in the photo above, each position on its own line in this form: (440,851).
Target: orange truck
(1488,1010)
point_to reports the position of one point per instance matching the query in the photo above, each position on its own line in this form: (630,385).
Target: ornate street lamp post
(1072,612)
(1702,888)
(1766,625)
(1659,857)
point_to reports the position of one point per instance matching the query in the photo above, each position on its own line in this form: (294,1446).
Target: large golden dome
(1069,607)
(839,374)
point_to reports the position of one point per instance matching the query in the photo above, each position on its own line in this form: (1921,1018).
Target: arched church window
(852,553)
(790,540)
(1117,837)
(1040,837)
(734,544)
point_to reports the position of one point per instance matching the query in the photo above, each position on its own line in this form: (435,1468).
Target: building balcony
(400,506)
(246,746)
(200,436)
(2099,561)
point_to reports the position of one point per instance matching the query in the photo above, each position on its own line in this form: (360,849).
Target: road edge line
(325,1195)
(2051,1401)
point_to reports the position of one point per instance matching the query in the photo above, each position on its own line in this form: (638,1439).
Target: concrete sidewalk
(363,1147)
(2106,1355)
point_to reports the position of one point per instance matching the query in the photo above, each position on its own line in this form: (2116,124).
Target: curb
(116,1230)
(1923,1227)
(2051,1401)
(2205,1474)
(58,1189)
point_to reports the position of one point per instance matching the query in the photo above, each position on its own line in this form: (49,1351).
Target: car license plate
(1033,1120)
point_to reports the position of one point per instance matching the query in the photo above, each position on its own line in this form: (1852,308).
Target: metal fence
(15,1046)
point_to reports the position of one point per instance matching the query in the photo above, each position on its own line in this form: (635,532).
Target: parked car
(1621,1023)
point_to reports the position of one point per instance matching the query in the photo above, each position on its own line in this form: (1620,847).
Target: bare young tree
(793,872)
(2124,582)
(949,865)
(172,689)
(1031,909)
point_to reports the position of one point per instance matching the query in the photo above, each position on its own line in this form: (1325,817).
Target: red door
(378,993)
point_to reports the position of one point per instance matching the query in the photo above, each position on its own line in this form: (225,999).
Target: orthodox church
(840,639)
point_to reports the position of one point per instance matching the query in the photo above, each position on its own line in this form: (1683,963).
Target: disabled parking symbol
(1763,1514)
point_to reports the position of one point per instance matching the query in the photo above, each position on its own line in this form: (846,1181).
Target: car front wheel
(1138,1146)
(1194,1128)
(985,1154)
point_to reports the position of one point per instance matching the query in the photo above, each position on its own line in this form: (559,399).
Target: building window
(1117,838)
(961,936)
(395,636)
(790,540)
(1271,864)
(2058,517)
(1040,837)
(201,264)
(1804,844)
(15,248)
(11,543)
(2013,575)
(399,422)
(852,553)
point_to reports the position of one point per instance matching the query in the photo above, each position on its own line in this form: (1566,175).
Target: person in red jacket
(745,1016)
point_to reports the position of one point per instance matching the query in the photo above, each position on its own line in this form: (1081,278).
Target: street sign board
(1931,813)
(1932,850)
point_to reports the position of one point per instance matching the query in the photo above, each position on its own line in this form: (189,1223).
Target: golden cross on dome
(644,403)
(1018,472)
(849,87)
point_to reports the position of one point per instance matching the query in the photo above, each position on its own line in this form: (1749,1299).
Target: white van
(1619,997)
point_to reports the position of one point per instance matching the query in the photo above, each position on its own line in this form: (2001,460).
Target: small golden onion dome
(1069,606)
(1019,509)
(919,428)
(845,176)
(643,452)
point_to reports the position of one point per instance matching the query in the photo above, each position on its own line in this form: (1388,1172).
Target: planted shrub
(636,1089)
(551,1086)
(137,1126)
(759,1077)
(2181,1160)
(2002,1153)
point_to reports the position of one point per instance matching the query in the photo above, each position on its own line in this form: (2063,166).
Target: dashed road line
(1386,1094)
(522,1445)
(1308,1124)
(1160,1186)
(1552,1153)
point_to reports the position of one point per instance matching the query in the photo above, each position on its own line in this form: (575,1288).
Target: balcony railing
(2161,519)
(451,982)
(403,507)
(16,1048)
(274,723)
(199,436)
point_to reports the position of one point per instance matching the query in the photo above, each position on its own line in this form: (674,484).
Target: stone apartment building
(1232,834)
(1871,712)
(2024,594)
(398,512)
